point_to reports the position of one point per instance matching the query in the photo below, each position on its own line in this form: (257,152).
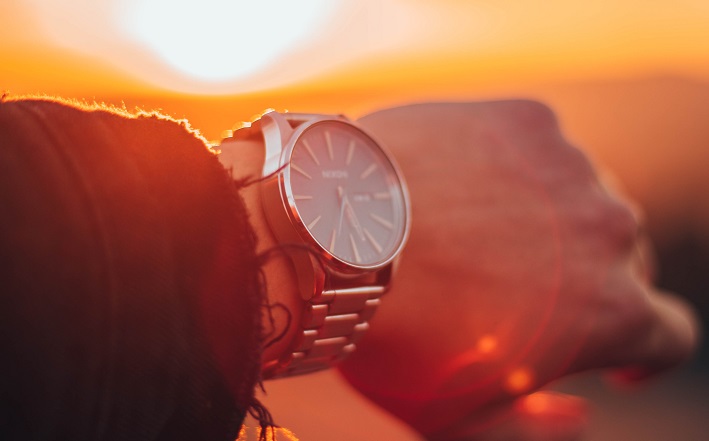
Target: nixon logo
(334,174)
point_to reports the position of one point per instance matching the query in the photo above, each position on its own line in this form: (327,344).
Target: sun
(222,40)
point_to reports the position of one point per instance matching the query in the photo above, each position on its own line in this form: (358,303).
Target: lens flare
(519,381)
(219,40)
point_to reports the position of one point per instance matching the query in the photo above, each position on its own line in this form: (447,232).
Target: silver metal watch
(337,203)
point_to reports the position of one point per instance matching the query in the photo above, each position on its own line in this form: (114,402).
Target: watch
(338,206)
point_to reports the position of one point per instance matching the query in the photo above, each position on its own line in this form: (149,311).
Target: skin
(521,268)
(279,275)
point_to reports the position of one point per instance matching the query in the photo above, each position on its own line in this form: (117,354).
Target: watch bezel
(299,225)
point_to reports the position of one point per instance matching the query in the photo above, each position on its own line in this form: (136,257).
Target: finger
(644,259)
(616,190)
(636,330)
(670,340)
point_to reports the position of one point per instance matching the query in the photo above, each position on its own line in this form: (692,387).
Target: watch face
(347,194)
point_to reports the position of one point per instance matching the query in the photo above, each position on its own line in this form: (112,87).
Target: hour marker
(300,170)
(350,152)
(381,221)
(382,196)
(332,240)
(310,152)
(314,222)
(373,241)
(368,171)
(299,197)
(355,250)
(328,141)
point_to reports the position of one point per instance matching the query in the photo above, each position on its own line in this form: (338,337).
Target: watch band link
(333,323)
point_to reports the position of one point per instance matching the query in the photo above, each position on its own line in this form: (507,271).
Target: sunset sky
(81,47)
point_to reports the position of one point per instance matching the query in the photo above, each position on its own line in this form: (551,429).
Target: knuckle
(626,313)
(611,224)
(620,225)
(606,227)
(634,308)
(575,165)
(532,115)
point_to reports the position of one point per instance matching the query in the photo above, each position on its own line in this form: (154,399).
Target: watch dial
(347,193)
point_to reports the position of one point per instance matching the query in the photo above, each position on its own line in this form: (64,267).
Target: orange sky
(397,47)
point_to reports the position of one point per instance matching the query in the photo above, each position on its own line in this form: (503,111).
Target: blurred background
(628,79)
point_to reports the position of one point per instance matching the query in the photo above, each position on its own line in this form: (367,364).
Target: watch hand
(353,219)
(343,201)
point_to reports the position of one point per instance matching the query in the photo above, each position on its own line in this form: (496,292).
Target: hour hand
(343,201)
(353,219)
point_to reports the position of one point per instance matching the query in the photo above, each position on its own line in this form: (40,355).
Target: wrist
(330,211)
(280,312)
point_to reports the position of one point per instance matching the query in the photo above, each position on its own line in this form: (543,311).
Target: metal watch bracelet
(333,321)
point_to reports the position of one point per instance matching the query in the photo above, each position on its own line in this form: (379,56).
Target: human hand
(521,269)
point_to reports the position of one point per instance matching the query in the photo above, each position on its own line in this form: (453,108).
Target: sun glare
(221,40)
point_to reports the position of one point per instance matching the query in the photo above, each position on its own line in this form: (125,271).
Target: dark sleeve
(129,289)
